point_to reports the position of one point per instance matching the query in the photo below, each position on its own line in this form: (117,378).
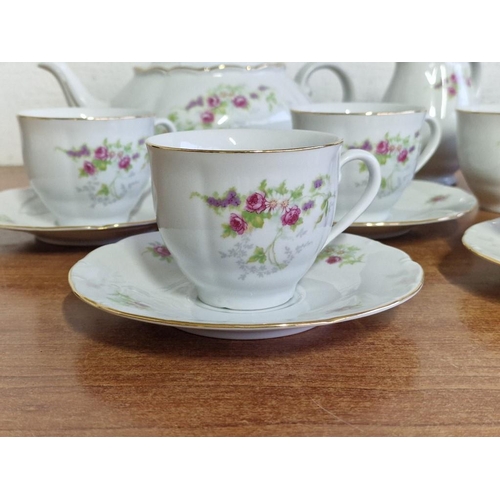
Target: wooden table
(430,367)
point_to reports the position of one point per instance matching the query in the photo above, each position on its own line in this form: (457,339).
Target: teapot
(208,95)
(440,87)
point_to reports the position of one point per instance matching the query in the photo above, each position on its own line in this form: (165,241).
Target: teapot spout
(75,93)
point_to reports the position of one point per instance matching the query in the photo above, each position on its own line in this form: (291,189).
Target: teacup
(391,131)
(245,212)
(478,147)
(88,166)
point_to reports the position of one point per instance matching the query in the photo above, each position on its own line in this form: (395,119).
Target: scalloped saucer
(423,202)
(22,210)
(483,239)
(137,278)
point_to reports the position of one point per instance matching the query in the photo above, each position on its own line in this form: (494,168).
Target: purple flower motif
(194,103)
(453,78)
(240,101)
(101,153)
(237,223)
(412,148)
(207,117)
(308,205)
(367,146)
(262,88)
(124,163)
(318,183)
(141,142)
(233,199)
(213,101)
(135,156)
(84,151)
(89,168)
(291,216)
(213,202)
(254,95)
(452,91)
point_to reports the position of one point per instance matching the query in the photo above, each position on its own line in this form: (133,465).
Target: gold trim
(208,69)
(478,111)
(336,142)
(24,115)
(475,251)
(358,113)
(246,326)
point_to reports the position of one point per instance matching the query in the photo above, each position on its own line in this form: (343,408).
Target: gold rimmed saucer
(22,210)
(423,202)
(138,279)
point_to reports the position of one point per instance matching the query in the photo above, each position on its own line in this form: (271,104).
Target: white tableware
(440,87)
(22,210)
(479,152)
(423,202)
(209,95)
(138,278)
(483,239)
(390,131)
(88,166)
(246,212)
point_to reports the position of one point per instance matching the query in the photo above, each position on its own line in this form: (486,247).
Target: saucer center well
(298,296)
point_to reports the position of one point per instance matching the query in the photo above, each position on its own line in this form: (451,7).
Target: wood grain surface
(430,367)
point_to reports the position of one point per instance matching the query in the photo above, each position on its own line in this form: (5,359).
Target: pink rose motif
(89,168)
(237,223)
(403,155)
(333,259)
(240,101)
(290,216)
(256,203)
(452,91)
(213,101)
(382,148)
(124,163)
(162,250)
(207,117)
(101,153)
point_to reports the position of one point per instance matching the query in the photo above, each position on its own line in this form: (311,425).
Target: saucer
(484,240)
(423,202)
(353,277)
(22,210)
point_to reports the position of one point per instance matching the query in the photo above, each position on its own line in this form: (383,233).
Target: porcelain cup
(391,131)
(88,166)
(478,147)
(245,212)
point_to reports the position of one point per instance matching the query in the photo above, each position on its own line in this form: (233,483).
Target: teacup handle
(432,144)
(374,180)
(305,72)
(166,124)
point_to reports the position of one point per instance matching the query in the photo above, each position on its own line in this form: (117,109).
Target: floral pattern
(341,255)
(451,84)
(285,208)
(395,150)
(159,251)
(438,198)
(121,159)
(126,300)
(207,111)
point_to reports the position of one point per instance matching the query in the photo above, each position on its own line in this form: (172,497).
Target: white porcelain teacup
(391,131)
(245,212)
(88,166)
(478,146)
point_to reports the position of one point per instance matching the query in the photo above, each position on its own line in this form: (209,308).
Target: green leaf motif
(258,256)
(103,191)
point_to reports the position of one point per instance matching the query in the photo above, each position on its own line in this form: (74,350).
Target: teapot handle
(305,72)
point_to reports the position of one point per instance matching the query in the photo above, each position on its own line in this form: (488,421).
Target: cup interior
(85,114)
(243,140)
(357,108)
